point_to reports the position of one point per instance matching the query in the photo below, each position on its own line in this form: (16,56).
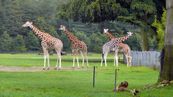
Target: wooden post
(115,81)
(94,75)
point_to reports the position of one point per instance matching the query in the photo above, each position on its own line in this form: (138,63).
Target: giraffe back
(126,49)
(79,45)
(110,45)
(49,41)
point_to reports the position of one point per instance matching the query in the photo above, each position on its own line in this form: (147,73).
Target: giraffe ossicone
(129,33)
(47,42)
(105,30)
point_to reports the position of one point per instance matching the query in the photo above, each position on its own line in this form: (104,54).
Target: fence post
(115,80)
(94,73)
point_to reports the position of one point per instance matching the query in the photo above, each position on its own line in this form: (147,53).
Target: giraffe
(47,42)
(77,46)
(113,44)
(124,47)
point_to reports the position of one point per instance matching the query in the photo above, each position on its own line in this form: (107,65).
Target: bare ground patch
(36,69)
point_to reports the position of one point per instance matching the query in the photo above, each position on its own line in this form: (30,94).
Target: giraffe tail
(103,57)
(63,53)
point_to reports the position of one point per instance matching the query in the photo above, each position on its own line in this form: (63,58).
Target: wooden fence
(146,58)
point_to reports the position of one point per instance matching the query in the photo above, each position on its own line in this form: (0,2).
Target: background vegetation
(85,18)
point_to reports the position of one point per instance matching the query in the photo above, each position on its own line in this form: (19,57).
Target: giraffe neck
(70,36)
(114,43)
(121,39)
(37,32)
(110,35)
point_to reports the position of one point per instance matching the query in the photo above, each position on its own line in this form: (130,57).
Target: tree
(32,42)
(167,54)
(143,12)
(160,26)
(96,42)
(160,5)
(5,42)
(137,12)
(18,44)
(92,10)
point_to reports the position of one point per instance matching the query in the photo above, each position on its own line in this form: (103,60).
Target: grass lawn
(74,83)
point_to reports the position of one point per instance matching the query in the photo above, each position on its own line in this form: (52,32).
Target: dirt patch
(36,69)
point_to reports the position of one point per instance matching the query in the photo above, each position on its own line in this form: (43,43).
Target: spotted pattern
(77,46)
(47,40)
(124,47)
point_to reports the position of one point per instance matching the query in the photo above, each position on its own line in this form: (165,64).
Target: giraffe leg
(73,61)
(77,57)
(116,58)
(105,59)
(130,61)
(87,60)
(45,52)
(44,67)
(74,57)
(58,64)
(102,59)
(82,58)
(59,55)
(127,60)
(48,62)
(77,61)
(101,64)
(105,62)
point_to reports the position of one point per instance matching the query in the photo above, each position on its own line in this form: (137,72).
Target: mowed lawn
(75,83)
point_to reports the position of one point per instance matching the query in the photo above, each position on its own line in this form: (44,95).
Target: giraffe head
(129,33)
(105,30)
(62,27)
(27,24)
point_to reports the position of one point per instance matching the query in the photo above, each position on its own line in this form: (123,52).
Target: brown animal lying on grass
(123,86)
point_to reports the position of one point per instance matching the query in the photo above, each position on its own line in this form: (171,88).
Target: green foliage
(160,26)
(92,11)
(18,44)
(66,42)
(134,42)
(119,16)
(136,12)
(143,6)
(97,42)
(5,42)
(15,12)
(32,42)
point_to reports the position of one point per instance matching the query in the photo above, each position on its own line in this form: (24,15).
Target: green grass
(74,83)
(27,60)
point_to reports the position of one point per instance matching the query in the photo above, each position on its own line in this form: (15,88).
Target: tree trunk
(166,72)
